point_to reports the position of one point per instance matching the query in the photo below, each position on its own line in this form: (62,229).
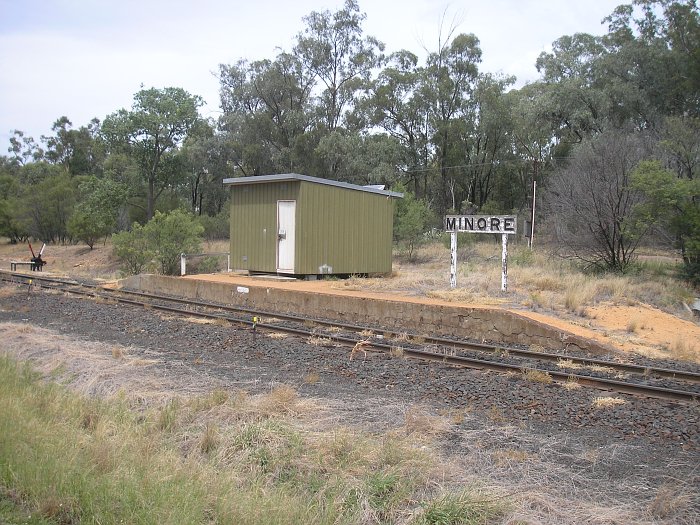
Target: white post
(453,259)
(183,264)
(228,262)
(532,223)
(504,262)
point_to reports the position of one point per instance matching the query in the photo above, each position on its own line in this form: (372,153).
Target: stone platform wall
(484,324)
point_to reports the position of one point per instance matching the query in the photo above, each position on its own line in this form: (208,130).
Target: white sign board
(503,224)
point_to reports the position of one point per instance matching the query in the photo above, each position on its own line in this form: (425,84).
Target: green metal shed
(300,225)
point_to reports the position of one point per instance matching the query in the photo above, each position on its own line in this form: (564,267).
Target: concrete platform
(403,313)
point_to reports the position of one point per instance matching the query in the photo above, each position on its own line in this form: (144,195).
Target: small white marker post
(504,263)
(453,259)
(503,224)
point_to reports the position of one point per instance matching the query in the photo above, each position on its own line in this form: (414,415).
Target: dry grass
(420,423)
(601,369)
(402,337)
(320,341)
(277,335)
(506,456)
(669,499)
(396,351)
(283,400)
(312,378)
(607,402)
(537,376)
(103,300)
(634,325)
(685,349)
(571,383)
(393,473)
(209,440)
(569,364)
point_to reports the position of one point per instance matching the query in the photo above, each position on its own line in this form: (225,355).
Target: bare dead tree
(591,202)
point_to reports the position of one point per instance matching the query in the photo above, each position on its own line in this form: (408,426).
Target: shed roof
(295,176)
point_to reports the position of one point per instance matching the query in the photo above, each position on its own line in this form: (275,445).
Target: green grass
(219,458)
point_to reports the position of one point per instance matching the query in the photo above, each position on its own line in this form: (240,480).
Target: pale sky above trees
(86,59)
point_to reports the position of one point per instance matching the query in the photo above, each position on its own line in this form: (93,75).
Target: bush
(216,227)
(132,249)
(87,228)
(411,219)
(162,240)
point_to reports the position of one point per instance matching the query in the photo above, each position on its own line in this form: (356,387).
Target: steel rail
(465,345)
(452,360)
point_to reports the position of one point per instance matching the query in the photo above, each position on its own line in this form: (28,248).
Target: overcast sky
(87,58)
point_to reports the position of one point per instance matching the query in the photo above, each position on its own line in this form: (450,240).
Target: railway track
(685,387)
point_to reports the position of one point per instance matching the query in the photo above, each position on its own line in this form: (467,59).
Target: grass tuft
(537,376)
(312,378)
(462,508)
(607,402)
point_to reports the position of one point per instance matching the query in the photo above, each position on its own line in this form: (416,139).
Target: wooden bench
(32,265)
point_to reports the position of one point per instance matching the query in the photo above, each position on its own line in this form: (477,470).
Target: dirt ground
(631,328)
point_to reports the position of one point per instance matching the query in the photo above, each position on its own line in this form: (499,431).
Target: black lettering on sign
(480,223)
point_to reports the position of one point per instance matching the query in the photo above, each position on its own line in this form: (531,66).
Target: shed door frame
(286,229)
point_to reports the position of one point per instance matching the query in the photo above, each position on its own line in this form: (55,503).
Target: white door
(285,236)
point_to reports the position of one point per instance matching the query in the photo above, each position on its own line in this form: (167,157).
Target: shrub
(216,227)
(132,249)
(162,240)
(411,219)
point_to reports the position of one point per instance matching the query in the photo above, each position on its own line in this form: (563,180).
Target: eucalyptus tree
(451,75)
(23,149)
(151,132)
(267,114)
(485,140)
(80,150)
(101,201)
(397,103)
(572,95)
(207,161)
(659,41)
(333,49)
(361,158)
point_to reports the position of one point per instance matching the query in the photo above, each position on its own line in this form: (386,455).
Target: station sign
(504,224)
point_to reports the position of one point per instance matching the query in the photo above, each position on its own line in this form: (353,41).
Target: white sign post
(503,224)
(453,260)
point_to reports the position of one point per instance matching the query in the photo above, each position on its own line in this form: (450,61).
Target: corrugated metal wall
(338,230)
(349,231)
(254,224)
